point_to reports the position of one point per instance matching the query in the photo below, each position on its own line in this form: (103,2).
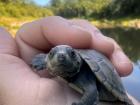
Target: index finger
(41,35)
(109,47)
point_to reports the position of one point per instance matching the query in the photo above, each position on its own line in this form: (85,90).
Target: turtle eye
(78,63)
(51,53)
(73,54)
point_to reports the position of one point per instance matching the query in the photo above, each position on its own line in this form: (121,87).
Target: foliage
(20,9)
(78,8)
(121,8)
(96,8)
(71,8)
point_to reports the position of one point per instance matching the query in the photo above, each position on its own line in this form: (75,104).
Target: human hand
(21,86)
(41,35)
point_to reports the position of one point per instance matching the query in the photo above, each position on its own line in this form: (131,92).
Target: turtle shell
(105,73)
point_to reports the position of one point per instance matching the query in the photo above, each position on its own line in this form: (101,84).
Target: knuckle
(116,45)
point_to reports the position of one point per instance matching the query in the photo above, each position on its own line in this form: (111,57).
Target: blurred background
(119,19)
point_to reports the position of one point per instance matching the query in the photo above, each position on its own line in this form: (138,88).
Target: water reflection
(129,39)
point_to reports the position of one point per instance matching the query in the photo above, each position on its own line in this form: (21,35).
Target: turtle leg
(39,62)
(87,83)
(90,96)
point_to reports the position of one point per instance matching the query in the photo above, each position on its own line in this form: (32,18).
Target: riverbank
(12,24)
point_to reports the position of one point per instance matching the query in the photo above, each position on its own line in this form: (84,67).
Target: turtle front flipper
(39,62)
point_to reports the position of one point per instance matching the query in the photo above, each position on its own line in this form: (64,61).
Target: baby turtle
(87,71)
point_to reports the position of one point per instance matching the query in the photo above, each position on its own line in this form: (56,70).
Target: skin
(21,86)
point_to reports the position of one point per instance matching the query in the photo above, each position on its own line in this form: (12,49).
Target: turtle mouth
(63,65)
(64,70)
(65,73)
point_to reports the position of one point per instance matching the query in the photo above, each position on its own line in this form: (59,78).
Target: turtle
(87,71)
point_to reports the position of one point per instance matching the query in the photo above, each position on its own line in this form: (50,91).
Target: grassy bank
(127,22)
(12,24)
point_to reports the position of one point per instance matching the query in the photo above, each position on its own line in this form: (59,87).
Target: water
(129,39)
(132,83)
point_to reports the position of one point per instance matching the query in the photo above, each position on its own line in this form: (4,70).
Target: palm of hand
(27,86)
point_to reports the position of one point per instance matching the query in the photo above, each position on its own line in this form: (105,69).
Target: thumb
(7,43)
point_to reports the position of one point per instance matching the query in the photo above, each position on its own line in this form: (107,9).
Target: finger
(42,34)
(120,60)
(7,43)
(99,41)
(107,46)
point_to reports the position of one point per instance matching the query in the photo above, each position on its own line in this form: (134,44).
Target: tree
(123,8)
(77,8)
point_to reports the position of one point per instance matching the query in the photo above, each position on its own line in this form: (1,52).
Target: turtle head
(63,61)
